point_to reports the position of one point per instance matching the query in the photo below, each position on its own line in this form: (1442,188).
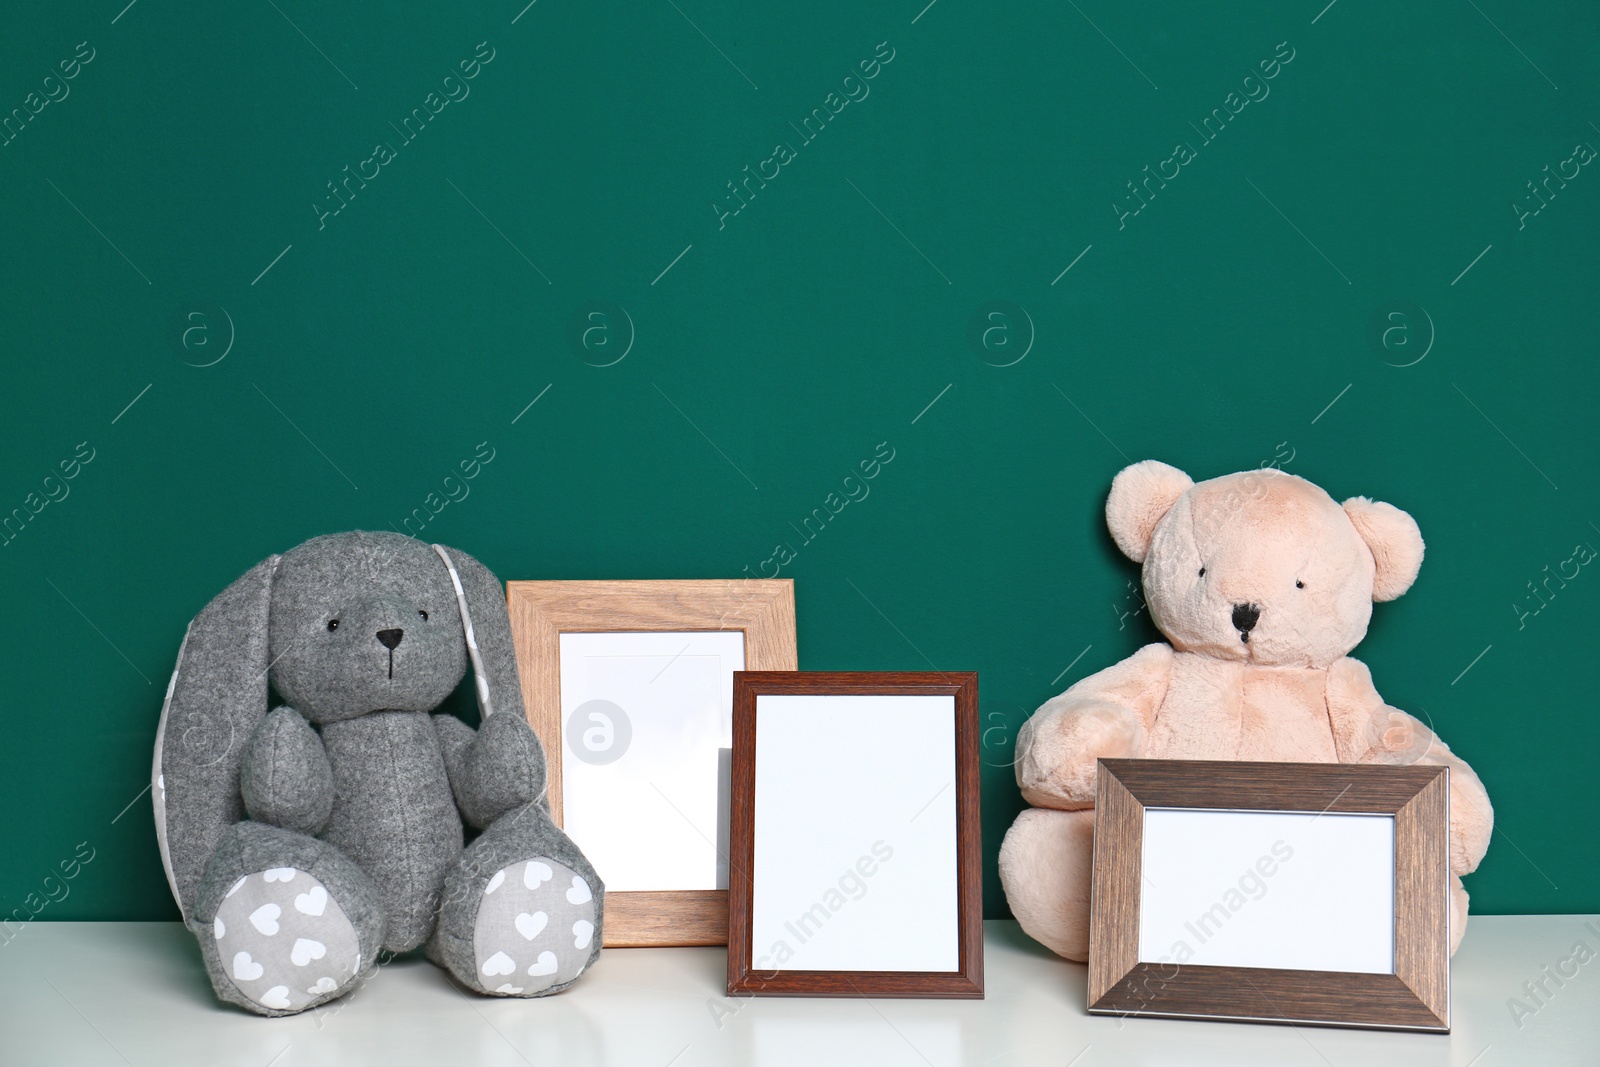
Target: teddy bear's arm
(1106,715)
(1367,730)
(284,776)
(1363,731)
(498,767)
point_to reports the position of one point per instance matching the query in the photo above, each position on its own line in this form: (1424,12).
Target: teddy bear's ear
(1140,496)
(1395,541)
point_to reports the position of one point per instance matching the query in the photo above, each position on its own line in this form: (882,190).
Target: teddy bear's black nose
(1245,617)
(391,638)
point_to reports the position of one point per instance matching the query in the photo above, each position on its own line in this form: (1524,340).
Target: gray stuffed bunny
(301,842)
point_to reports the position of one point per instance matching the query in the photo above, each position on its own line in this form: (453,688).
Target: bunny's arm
(498,767)
(1106,715)
(285,777)
(1367,730)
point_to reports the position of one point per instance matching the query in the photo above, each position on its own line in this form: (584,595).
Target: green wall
(167,203)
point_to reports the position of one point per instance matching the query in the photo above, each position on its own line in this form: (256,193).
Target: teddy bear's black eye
(333,624)
(423,613)
(1298,584)
(1202,572)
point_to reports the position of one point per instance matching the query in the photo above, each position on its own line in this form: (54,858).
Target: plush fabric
(498,768)
(364,583)
(236,886)
(217,695)
(283,941)
(1262,585)
(356,795)
(395,816)
(490,932)
(285,777)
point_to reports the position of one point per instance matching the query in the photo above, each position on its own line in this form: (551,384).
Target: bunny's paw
(535,929)
(284,942)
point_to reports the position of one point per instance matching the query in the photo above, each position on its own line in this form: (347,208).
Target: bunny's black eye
(1202,572)
(333,624)
(1298,584)
(423,613)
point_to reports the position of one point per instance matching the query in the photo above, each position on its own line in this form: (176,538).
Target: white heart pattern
(579,893)
(582,933)
(530,926)
(324,985)
(278,874)
(219,928)
(508,988)
(246,969)
(537,874)
(312,903)
(235,887)
(546,964)
(276,997)
(305,950)
(495,882)
(265,918)
(500,963)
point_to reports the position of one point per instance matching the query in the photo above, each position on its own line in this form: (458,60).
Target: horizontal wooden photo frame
(1368,848)
(855,866)
(648,785)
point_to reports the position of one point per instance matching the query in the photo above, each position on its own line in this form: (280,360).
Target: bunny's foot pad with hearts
(535,929)
(284,942)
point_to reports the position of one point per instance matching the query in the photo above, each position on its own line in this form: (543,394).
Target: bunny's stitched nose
(391,638)
(1245,617)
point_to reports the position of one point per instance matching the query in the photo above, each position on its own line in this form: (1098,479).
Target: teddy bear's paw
(535,930)
(283,941)
(1058,747)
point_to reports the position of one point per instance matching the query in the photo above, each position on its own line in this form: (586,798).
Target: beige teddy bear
(1262,584)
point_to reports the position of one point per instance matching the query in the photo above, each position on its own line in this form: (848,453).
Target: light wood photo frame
(548,616)
(856,855)
(1193,916)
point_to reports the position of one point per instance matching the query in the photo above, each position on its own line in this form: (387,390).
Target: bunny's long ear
(217,694)
(482,601)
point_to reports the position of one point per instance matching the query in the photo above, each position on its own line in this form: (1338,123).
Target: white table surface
(135,993)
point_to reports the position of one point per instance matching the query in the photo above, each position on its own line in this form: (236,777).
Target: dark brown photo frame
(1416,996)
(966,981)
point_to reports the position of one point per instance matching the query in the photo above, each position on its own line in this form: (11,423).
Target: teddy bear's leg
(1458,912)
(1045,864)
(521,910)
(285,921)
